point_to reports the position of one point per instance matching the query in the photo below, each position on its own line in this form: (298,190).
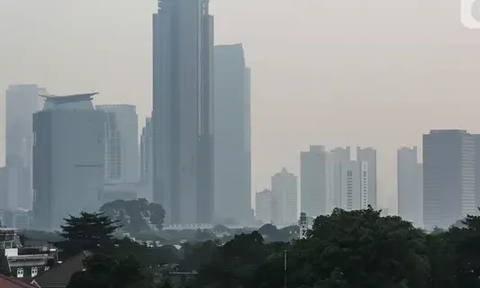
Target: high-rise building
(182,110)
(68,150)
(354,185)
(21,103)
(339,156)
(316,181)
(410,186)
(121,143)
(284,198)
(146,153)
(448,177)
(263,206)
(369,155)
(232,135)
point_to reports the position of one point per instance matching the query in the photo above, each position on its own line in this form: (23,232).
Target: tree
(89,231)
(103,271)
(135,215)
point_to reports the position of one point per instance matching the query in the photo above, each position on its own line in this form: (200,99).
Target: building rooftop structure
(69,102)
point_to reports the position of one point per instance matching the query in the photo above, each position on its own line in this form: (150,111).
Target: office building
(284,198)
(409,186)
(316,181)
(182,115)
(448,177)
(263,206)
(232,135)
(21,102)
(68,151)
(121,143)
(369,155)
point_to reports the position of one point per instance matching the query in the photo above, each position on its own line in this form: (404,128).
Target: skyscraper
(21,103)
(146,153)
(263,206)
(448,177)
(353,185)
(339,156)
(316,181)
(284,198)
(68,173)
(121,143)
(369,155)
(232,135)
(410,186)
(182,110)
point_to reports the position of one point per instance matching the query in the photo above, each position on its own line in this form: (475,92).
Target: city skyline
(272,106)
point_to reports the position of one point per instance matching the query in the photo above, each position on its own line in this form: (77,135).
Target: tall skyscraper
(121,143)
(263,206)
(339,156)
(68,173)
(316,181)
(410,186)
(353,185)
(448,177)
(369,155)
(182,110)
(146,153)
(284,198)
(21,103)
(232,135)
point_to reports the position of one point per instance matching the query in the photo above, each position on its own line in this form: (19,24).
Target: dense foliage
(87,232)
(343,250)
(136,215)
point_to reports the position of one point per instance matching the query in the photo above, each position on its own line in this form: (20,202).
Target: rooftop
(69,102)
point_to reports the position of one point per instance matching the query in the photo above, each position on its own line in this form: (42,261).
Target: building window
(20,273)
(34,271)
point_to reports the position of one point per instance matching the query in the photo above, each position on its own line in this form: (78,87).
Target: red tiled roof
(8,282)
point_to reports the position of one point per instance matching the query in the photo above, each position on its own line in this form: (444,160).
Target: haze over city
(370,73)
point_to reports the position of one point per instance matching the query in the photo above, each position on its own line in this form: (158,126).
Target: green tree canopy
(135,215)
(103,271)
(89,231)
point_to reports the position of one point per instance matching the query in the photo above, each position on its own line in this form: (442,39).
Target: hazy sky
(334,72)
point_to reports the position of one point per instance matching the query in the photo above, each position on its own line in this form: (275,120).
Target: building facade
(21,102)
(68,151)
(146,157)
(121,143)
(263,206)
(316,181)
(354,185)
(409,186)
(232,135)
(448,177)
(183,111)
(369,155)
(284,198)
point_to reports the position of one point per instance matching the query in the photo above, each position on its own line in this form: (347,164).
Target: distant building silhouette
(146,156)
(284,198)
(410,186)
(369,155)
(316,181)
(21,104)
(182,110)
(448,177)
(68,172)
(121,143)
(232,135)
(263,206)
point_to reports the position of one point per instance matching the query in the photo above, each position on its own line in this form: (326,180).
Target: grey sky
(368,72)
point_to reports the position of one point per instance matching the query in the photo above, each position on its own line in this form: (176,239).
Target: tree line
(345,249)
